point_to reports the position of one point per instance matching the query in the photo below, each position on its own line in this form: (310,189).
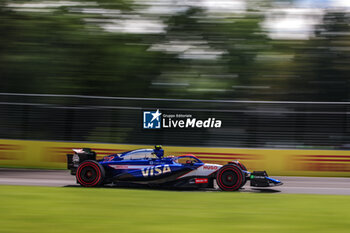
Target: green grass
(46,209)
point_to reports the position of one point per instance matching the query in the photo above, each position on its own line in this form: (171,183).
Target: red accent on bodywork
(201,180)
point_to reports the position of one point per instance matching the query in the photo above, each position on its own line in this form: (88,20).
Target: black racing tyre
(90,174)
(230,178)
(241,165)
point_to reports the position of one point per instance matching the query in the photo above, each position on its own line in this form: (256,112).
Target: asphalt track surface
(62,178)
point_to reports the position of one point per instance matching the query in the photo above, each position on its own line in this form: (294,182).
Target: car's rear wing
(79,156)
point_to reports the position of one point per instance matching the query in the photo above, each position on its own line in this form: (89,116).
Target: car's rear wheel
(90,174)
(230,178)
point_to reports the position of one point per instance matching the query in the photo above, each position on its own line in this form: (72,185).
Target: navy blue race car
(150,167)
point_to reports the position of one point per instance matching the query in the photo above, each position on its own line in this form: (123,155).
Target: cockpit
(156,153)
(186,159)
(138,154)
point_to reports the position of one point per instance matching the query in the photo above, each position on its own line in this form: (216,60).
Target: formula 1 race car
(150,167)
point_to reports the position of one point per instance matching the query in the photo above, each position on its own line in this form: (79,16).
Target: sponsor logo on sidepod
(155,171)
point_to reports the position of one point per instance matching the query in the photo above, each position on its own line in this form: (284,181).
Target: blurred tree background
(278,50)
(176,48)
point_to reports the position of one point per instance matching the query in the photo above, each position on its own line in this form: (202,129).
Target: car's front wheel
(90,174)
(230,178)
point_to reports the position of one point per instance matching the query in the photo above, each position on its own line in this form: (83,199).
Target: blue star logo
(152,120)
